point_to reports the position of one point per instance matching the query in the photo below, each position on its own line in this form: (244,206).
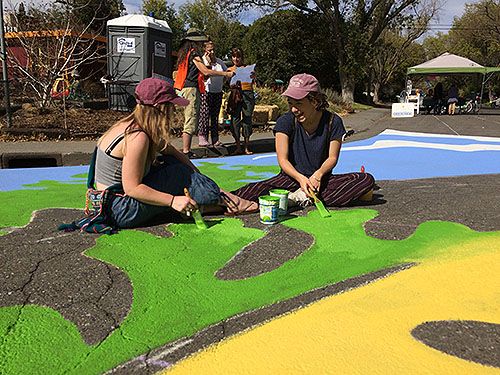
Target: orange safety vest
(182,74)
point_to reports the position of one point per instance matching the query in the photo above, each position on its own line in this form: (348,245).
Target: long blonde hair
(155,121)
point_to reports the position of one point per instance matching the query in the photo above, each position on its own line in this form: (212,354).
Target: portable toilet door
(139,47)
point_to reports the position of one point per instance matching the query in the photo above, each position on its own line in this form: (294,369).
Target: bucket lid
(279,191)
(269,198)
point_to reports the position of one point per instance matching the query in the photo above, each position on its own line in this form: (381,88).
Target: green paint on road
(18,205)
(176,293)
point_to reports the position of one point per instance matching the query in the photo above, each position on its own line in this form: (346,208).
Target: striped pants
(339,190)
(209,115)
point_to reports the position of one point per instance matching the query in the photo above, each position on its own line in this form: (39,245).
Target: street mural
(345,301)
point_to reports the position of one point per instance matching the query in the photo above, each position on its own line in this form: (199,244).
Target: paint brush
(200,223)
(319,205)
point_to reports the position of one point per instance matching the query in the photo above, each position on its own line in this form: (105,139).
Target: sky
(450,9)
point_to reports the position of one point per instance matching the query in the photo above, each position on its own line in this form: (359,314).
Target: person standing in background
(452,99)
(243,99)
(190,81)
(438,98)
(211,100)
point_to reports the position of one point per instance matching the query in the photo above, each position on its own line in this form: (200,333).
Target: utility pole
(5,75)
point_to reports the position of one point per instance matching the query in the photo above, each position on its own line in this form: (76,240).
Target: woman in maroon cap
(308,140)
(126,155)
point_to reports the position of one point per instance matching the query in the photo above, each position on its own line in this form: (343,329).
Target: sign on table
(403,109)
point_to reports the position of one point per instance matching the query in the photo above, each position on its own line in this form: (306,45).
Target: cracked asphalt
(41,266)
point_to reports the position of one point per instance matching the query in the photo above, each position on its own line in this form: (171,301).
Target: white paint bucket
(283,195)
(268,206)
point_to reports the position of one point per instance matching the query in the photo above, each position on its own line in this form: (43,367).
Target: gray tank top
(108,168)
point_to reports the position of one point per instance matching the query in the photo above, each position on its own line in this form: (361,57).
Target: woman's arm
(134,161)
(282,151)
(209,72)
(328,164)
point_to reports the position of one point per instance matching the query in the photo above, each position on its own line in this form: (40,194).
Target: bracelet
(172,201)
(316,178)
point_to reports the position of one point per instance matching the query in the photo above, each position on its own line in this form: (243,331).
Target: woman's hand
(229,74)
(315,181)
(183,204)
(305,184)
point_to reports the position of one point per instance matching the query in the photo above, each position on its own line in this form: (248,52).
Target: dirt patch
(81,121)
(73,123)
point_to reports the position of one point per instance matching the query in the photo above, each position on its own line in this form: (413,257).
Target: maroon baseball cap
(153,91)
(300,85)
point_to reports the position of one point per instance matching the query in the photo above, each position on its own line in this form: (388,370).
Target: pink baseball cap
(153,91)
(300,85)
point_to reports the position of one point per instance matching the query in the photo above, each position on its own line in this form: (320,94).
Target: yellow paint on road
(367,330)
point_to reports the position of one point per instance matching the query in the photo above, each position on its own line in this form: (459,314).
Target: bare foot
(248,152)
(238,206)
(237,152)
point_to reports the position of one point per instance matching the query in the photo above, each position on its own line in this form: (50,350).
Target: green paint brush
(319,205)
(198,219)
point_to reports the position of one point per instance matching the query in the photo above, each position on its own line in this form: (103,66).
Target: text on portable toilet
(403,109)
(125,45)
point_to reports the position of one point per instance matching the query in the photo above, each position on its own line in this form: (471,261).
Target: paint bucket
(268,206)
(283,195)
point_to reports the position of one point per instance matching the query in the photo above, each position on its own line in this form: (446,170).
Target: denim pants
(241,117)
(171,177)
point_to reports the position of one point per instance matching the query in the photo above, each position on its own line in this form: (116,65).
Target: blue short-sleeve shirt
(308,152)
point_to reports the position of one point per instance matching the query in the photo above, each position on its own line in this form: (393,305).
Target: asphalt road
(43,267)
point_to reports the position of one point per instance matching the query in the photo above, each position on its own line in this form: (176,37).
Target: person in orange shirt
(190,81)
(242,108)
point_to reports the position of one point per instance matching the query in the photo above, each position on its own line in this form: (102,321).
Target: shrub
(266,96)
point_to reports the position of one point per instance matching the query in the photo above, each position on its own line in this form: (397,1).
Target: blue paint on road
(390,155)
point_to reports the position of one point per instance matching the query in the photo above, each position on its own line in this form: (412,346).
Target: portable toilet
(139,47)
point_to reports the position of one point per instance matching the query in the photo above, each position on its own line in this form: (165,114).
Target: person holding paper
(308,141)
(190,81)
(241,101)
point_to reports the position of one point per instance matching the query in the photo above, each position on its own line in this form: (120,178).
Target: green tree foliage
(435,46)
(90,15)
(354,26)
(289,42)
(163,10)
(476,36)
(210,17)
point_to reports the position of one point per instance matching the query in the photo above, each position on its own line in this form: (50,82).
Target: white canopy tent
(450,64)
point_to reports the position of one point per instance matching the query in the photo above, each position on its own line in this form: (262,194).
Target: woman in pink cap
(138,185)
(308,141)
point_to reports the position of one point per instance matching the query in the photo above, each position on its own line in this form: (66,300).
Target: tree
(474,35)
(354,26)
(392,51)
(162,10)
(56,44)
(90,14)
(281,55)
(210,17)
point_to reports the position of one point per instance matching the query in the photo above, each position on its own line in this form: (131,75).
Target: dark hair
(187,46)
(237,52)
(318,100)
